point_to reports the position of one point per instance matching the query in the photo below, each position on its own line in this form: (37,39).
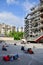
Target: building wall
(34,23)
(20,29)
(6,28)
(6,38)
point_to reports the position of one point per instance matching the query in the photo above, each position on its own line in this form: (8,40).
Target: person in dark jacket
(4,48)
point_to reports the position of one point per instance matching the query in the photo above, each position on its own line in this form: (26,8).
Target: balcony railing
(35,37)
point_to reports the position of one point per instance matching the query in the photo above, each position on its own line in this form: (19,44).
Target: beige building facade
(34,23)
(6,28)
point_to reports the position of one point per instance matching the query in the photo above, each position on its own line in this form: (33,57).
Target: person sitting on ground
(22,48)
(15,57)
(11,58)
(6,58)
(29,50)
(4,48)
(14,43)
(23,42)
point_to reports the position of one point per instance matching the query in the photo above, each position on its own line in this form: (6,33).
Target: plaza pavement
(25,59)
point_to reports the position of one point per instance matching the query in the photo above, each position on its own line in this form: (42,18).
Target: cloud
(12,1)
(9,18)
(27,6)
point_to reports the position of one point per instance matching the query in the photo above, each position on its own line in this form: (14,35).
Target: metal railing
(35,37)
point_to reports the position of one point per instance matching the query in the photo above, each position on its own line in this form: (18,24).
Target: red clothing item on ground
(6,58)
(31,52)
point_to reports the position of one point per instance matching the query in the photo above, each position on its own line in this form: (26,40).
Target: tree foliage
(16,35)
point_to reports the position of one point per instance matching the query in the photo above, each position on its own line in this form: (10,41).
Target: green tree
(16,35)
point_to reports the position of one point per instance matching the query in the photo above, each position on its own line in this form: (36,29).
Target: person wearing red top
(6,58)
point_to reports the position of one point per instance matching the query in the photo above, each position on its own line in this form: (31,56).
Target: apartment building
(6,28)
(34,24)
(20,29)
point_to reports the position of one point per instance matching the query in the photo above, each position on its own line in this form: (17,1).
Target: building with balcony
(34,24)
(6,29)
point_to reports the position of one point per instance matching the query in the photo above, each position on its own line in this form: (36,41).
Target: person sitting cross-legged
(4,48)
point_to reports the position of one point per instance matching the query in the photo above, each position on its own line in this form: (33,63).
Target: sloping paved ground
(25,59)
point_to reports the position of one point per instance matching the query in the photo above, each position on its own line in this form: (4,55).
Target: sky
(13,12)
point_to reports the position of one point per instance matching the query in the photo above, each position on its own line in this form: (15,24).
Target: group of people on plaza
(29,50)
(11,58)
(15,57)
